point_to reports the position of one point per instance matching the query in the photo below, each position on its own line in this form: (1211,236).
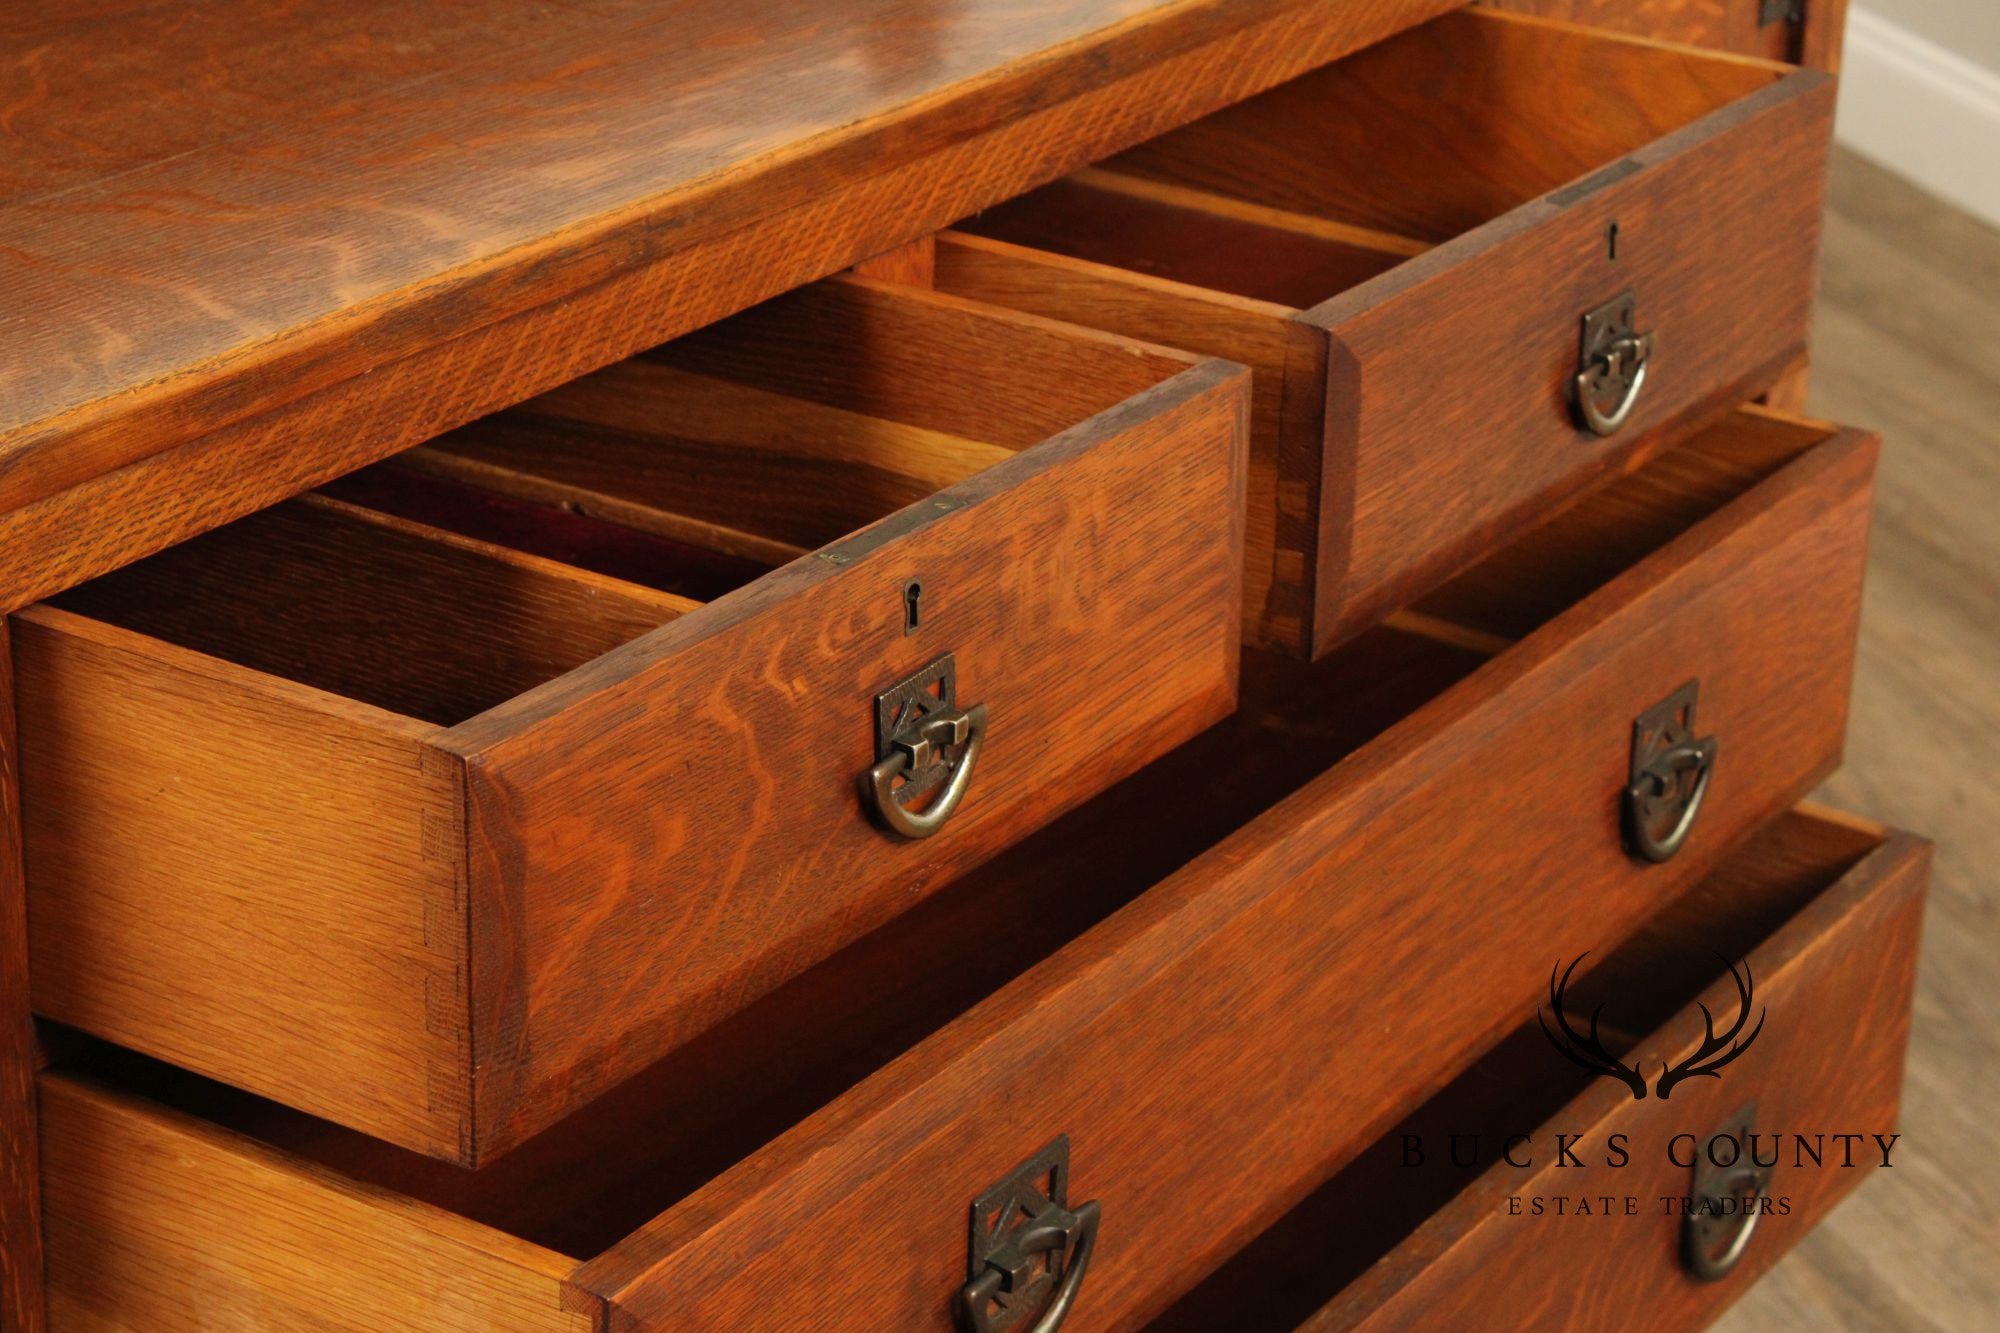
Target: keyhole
(1611,240)
(913,595)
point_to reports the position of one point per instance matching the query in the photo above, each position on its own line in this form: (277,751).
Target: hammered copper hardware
(1713,1241)
(1669,776)
(1612,364)
(1029,1249)
(923,741)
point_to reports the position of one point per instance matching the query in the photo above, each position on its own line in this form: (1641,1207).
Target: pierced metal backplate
(900,712)
(1659,730)
(1669,778)
(1035,1191)
(1608,323)
(1604,328)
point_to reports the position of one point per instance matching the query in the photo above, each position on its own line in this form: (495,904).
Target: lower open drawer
(1207,990)
(1774,1008)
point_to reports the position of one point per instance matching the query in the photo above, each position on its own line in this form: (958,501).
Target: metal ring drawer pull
(958,730)
(1661,783)
(1699,1252)
(1612,363)
(1665,753)
(1008,1269)
(1624,362)
(1713,1242)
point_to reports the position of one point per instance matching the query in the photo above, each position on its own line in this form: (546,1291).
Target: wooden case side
(21,1302)
(158,1221)
(1431,457)
(1836,984)
(1824,40)
(661,837)
(247,877)
(1274,982)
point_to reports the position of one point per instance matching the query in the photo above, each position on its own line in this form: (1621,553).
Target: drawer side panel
(245,877)
(158,1222)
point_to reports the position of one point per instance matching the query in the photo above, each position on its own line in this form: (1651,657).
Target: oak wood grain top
(214,211)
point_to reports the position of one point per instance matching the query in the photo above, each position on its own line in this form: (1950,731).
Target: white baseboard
(1922,111)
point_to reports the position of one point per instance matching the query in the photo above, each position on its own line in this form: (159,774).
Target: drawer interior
(507,553)
(581,1186)
(1324,182)
(1286,1274)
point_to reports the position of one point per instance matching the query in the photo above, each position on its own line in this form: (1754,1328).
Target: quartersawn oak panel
(652,806)
(1463,175)
(1234,994)
(329,287)
(440,839)
(328,1253)
(1837,981)
(245,876)
(1825,910)
(1287,969)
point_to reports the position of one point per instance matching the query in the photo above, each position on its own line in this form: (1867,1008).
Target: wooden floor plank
(1907,341)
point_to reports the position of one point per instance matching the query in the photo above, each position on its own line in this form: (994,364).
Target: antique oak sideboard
(923,665)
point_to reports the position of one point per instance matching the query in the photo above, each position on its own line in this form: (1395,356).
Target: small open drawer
(1212,986)
(1806,32)
(438,807)
(1668,1206)
(1476,269)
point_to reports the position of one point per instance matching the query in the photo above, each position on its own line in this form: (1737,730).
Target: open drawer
(1211,986)
(1805,31)
(1664,1208)
(439,833)
(1475,269)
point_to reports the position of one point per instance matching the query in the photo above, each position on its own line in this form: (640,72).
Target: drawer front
(1836,983)
(1206,1054)
(1528,1195)
(1450,409)
(679,829)
(574,821)
(1405,248)
(1215,1049)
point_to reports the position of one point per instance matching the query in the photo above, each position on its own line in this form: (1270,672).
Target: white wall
(1969,27)
(1920,93)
